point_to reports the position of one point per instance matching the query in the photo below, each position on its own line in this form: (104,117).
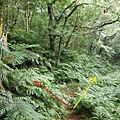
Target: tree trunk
(50,28)
(59,52)
(1,20)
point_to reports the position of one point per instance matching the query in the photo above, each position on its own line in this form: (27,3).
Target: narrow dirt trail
(70,92)
(74,116)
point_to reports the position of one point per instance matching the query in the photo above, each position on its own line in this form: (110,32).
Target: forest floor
(74,117)
(70,92)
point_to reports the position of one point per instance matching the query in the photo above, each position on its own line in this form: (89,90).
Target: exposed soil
(70,92)
(74,116)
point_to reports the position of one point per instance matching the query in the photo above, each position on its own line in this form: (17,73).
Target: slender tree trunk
(59,52)
(60,42)
(1,20)
(27,21)
(50,28)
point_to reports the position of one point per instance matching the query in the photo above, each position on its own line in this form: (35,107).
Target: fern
(108,50)
(15,108)
(101,101)
(27,98)
(5,66)
(17,54)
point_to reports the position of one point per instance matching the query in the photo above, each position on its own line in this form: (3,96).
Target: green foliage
(102,102)
(17,54)
(14,108)
(69,55)
(84,66)
(28,101)
(22,99)
(85,36)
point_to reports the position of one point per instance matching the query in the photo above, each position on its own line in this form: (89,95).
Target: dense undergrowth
(102,100)
(59,42)
(22,100)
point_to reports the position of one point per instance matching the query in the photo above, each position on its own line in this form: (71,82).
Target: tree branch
(65,11)
(54,2)
(111,36)
(73,10)
(107,23)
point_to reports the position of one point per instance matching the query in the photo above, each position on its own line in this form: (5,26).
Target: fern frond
(18,47)
(6,66)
